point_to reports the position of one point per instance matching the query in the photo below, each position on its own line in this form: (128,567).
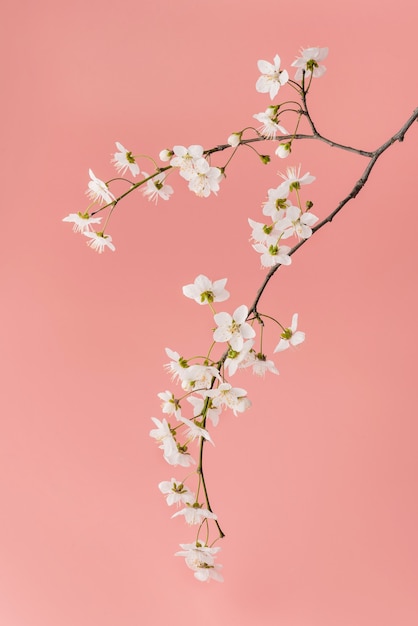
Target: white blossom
(99,241)
(204,291)
(124,160)
(179,457)
(99,190)
(309,61)
(176,492)
(290,336)
(238,359)
(233,328)
(156,187)
(194,431)
(185,159)
(170,404)
(276,204)
(205,179)
(272,78)
(293,180)
(269,123)
(233,398)
(200,559)
(163,435)
(260,364)
(300,223)
(268,233)
(273,254)
(194,514)
(198,377)
(177,364)
(81,221)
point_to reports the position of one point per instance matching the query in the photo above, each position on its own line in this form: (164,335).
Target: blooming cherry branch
(236,340)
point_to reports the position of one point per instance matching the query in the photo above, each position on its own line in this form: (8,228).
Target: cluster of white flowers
(205,387)
(193,167)
(286,220)
(193,163)
(206,391)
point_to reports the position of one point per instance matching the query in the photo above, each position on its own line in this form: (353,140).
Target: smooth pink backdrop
(316,486)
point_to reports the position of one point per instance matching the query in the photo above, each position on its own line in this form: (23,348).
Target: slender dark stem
(318,137)
(399,136)
(202,476)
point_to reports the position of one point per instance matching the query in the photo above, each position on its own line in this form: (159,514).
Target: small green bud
(265,158)
(309,205)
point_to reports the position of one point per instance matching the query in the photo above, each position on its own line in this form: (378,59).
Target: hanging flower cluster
(206,392)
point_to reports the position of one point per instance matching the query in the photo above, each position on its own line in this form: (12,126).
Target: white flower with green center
(204,291)
(180,456)
(268,233)
(81,221)
(195,430)
(290,336)
(195,514)
(185,159)
(233,328)
(156,188)
(205,179)
(233,398)
(293,180)
(300,223)
(164,436)
(309,61)
(198,377)
(176,492)
(260,364)
(273,254)
(99,241)
(177,364)
(124,160)
(270,123)
(170,404)
(236,359)
(276,204)
(98,190)
(200,559)
(272,77)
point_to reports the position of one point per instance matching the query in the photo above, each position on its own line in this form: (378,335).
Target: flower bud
(265,158)
(284,150)
(235,139)
(165,155)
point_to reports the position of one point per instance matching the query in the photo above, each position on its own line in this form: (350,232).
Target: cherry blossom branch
(399,136)
(206,380)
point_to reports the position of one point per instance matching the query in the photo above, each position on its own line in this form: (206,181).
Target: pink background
(316,486)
